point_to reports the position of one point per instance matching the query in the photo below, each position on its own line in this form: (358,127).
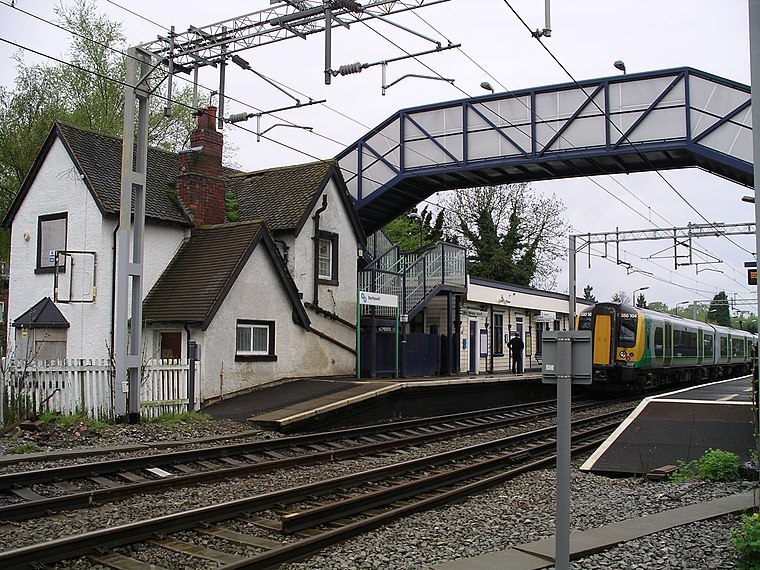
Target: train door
(668,345)
(604,346)
(700,346)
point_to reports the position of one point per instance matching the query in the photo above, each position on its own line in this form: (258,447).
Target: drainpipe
(316,248)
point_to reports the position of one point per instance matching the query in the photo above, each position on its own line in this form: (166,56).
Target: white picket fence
(86,387)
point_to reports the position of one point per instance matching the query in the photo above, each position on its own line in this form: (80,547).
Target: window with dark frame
(327,258)
(51,238)
(254,341)
(498,334)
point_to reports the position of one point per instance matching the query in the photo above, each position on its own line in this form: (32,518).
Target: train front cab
(617,332)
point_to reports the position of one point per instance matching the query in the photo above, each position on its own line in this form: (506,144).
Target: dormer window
(51,238)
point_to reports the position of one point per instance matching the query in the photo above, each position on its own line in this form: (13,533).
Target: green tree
(514,235)
(412,227)
(718,312)
(658,306)
(588,293)
(88,93)
(641,301)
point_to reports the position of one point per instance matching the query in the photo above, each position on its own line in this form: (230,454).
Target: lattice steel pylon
(211,45)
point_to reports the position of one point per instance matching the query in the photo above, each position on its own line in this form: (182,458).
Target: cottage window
(327,258)
(254,340)
(51,238)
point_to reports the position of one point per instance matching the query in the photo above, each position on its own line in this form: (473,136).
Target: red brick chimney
(200,186)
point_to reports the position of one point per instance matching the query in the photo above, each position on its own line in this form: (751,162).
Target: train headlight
(622,354)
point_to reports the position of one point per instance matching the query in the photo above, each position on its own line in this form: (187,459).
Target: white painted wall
(339,299)
(58,188)
(299,353)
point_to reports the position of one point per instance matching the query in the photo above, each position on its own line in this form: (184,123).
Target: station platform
(681,426)
(305,404)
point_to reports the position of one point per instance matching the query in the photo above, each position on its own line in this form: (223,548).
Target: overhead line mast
(185,52)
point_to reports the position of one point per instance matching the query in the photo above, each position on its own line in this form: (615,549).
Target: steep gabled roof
(285,196)
(97,156)
(42,314)
(196,282)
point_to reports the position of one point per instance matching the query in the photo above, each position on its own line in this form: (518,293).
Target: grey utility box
(566,354)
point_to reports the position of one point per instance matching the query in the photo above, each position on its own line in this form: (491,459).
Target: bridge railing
(609,116)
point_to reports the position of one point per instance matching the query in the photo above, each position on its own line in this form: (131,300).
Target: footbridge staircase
(414,277)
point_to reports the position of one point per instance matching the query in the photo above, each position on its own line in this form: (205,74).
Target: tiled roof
(99,157)
(281,196)
(193,286)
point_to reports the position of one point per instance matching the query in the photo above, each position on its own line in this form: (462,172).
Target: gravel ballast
(514,513)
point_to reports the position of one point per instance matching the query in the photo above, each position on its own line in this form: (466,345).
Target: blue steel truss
(675,118)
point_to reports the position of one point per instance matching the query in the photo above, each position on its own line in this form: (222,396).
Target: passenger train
(635,349)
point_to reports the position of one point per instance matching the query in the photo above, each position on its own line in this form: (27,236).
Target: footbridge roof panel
(674,118)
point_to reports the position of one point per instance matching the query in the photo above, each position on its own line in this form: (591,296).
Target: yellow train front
(634,349)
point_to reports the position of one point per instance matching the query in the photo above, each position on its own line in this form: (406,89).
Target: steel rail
(316,543)
(83,470)
(72,546)
(294,522)
(31,509)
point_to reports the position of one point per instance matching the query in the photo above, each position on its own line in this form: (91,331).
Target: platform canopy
(675,118)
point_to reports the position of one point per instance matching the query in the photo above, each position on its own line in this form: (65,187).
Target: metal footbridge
(675,118)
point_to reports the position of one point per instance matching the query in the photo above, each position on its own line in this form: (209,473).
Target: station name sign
(378,299)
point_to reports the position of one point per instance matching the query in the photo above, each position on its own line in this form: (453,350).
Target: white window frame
(250,353)
(325,259)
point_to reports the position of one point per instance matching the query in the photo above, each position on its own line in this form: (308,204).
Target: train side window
(708,345)
(737,347)
(658,347)
(723,346)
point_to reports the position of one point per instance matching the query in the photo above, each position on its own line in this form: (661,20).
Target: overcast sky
(587,37)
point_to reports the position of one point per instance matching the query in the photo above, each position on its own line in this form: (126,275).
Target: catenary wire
(245,129)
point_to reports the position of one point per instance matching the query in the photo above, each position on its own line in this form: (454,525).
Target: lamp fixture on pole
(619,64)
(487,86)
(633,297)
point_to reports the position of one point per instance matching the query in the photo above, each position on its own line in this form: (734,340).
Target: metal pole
(129,268)
(328,45)
(754,58)
(358,337)
(397,312)
(564,395)
(571,272)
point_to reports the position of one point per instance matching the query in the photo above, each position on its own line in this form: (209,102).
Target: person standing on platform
(516,347)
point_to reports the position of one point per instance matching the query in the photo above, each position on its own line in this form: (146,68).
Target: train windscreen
(628,323)
(584,322)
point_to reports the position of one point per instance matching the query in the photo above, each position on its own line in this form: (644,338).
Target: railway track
(272,528)
(34,493)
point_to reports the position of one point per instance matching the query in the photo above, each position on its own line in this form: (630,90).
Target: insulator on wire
(347,4)
(350,68)
(238,117)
